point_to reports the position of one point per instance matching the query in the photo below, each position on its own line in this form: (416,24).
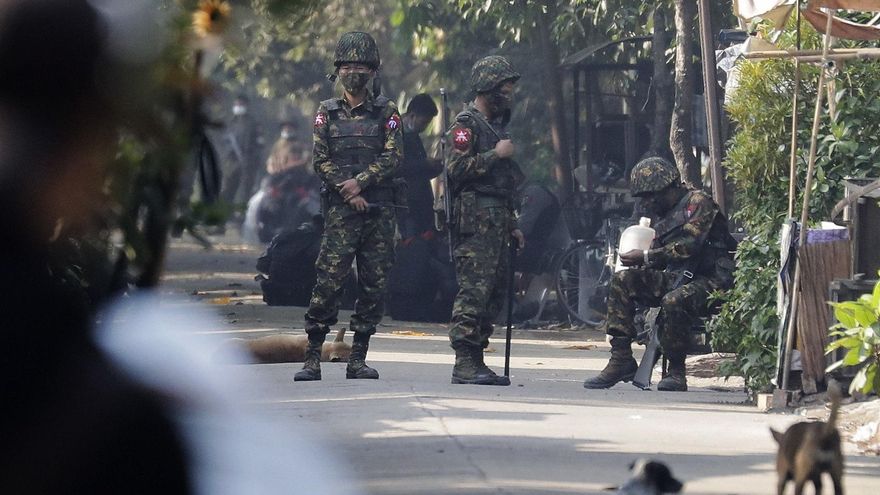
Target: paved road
(412,432)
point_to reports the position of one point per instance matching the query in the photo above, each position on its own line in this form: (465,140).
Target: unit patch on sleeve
(461,138)
(393,123)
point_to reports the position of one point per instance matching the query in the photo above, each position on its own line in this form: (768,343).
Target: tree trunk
(549,55)
(682,116)
(663,87)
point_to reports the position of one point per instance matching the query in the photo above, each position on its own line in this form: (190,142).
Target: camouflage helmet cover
(357,47)
(652,175)
(489,72)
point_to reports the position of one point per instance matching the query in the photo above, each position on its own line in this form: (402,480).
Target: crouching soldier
(691,256)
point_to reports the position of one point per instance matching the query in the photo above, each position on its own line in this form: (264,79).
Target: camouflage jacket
(381,170)
(694,236)
(473,159)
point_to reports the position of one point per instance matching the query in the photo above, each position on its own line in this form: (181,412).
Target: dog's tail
(777,435)
(340,335)
(835,395)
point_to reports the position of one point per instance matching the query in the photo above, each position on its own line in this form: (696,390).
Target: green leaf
(875,297)
(844,314)
(865,315)
(854,356)
(847,342)
(870,379)
(397,17)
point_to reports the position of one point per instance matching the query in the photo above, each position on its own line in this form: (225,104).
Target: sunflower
(211,17)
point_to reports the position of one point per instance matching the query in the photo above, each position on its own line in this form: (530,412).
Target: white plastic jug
(637,237)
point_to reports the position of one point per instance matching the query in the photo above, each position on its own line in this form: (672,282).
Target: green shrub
(758,162)
(859,334)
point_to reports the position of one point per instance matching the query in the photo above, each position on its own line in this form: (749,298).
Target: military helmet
(491,71)
(357,47)
(652,175)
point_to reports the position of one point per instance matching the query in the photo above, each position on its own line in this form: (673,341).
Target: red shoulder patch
(393,123)
(461,138)
(320,119)
(691,208)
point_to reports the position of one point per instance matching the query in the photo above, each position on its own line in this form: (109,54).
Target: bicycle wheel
(582,278)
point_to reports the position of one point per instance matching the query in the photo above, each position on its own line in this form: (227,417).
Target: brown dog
(808,449)
(286,348)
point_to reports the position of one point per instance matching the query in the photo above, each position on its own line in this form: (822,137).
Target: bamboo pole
(811,56)
(713,119)
(805,211)
(792,172)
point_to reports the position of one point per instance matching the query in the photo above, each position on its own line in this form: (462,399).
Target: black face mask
(658,203)
(499,102)
(354,82)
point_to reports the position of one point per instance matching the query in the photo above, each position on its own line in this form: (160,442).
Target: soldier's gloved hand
(358,203)
(504,148)
(348,189)
(635,257)
(520,238)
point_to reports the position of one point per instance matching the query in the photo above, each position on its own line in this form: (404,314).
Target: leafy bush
(859,334)
(758,161)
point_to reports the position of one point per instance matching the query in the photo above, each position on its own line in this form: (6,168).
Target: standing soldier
(482,181)
(357,151)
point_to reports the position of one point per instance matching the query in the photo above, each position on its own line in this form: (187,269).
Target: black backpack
(288,266)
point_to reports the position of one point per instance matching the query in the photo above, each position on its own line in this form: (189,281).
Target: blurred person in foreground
(417,169)
(73,422)
(137,407)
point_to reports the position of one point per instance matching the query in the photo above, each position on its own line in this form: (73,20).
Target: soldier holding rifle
(482,180)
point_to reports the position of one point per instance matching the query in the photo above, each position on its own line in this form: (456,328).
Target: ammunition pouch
(400,192)
(465,214)
(468,203)
(352,166)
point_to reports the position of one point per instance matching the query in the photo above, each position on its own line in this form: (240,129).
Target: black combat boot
(620,368)
(483,369)
(675,380)
(467,369)
(311,370)
(357,367)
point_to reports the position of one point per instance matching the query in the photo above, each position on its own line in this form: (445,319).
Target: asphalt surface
(412,432)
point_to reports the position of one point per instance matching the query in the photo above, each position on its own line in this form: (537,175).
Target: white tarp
(773,10)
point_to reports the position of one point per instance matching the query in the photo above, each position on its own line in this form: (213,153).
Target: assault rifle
(642,378)
(385,204)
(447,192)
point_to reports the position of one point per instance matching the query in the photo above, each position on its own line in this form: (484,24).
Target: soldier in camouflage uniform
(692,255)
(357,151)
(482,181)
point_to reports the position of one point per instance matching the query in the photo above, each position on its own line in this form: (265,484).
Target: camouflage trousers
(679,308)
(481,261)
(349,236)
